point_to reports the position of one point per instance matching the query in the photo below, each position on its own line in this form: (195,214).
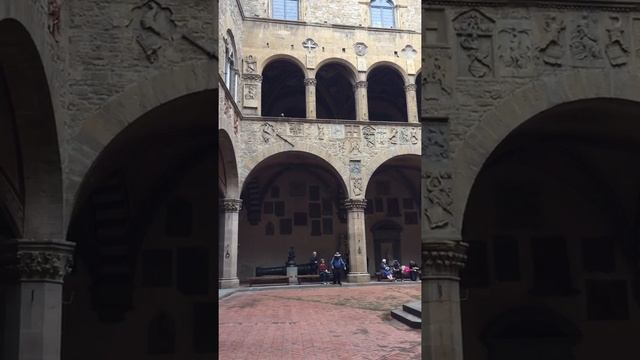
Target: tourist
(338,266)
(314,262)
(397,272)
(414,270)
(324,272)
(386,270)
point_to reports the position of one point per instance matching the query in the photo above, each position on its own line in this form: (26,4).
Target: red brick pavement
(349,322)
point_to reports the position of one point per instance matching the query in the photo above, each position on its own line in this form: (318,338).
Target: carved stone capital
(360,84)
(355,204)
(252,77)
(410,87)
(37,260)
(310,82)
(230,205)
(443,259)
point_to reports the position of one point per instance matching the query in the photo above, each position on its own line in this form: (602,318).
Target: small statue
(291,258)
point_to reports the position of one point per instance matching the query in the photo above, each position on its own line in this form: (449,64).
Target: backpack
(337,263)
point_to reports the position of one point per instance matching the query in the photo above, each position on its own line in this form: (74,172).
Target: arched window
(284,9)
(382,14)
(230,64)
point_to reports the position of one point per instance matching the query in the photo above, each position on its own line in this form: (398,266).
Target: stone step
(413,308)
(404,317)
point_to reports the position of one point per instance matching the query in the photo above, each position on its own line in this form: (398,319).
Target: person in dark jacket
(314,262)
(338,266)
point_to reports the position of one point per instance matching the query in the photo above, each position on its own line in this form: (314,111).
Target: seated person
(386,270)
(324,272)
(414,270)
(397,272)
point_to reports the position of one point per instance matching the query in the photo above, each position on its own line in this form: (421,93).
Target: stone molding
(252,77)
(355,204)
(310,82)
(443,259)
(410,87)
(602,6)
(30,260)
(231,205)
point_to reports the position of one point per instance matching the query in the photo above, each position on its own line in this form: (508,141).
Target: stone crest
(369,134)
(552,49)
(617,51)
(250,65)
(474,30)
(268,132)
(514,50)
(434,141)
(360,48)
(438,196)
(584,43)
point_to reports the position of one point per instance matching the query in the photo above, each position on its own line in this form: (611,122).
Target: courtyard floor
(318,322)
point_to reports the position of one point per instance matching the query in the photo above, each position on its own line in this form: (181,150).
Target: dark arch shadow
(283,90)
(386,96)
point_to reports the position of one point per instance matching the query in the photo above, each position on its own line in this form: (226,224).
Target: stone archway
(523,105)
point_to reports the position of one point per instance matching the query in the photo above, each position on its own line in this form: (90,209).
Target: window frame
(284,5)
(391,8)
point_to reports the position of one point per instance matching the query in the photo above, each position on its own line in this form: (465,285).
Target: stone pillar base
(228,283)
(292,273)
(358,277)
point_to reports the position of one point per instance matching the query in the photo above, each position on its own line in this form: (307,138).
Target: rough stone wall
(472,69)
(355,150)
(340,12)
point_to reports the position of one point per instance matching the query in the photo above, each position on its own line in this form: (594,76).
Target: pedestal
(292,273)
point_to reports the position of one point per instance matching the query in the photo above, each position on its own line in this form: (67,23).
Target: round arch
(290,58)
(315,151)
(33,194)
(346,63)
(229,165)
(524,104)
(393,66)
(136,100)
(380,159)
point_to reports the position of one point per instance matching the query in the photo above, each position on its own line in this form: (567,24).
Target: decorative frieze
(355,204)
(310,82)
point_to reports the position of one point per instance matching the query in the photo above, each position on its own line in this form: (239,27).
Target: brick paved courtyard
(349,322)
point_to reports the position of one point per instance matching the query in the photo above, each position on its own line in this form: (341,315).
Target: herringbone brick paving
(332,322)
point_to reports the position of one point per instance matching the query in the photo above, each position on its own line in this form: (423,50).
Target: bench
(308,278)
(268,279)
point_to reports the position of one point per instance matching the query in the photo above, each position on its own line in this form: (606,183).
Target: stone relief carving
(584,44)
(296,129)
(393,139)
(369,134)
(381,137)
(355,167)
(309,45)
(268,132)
(250,65)
(356,186)
(474,30)
(337,131)
(515,50)
(230,205)
(156,28)
(404,136)
(353,145)
(352,131)
(438,198)
(434,142)
(54,12)
(443,258)
(409,53)
(360,48)
(250,91)
(552,49)
(43,265)
(321,135)
(616,50)
(413,133)
(436,78)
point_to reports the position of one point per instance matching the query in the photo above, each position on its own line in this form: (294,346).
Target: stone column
(33,300)
(412,104)
(362,106)
(357,271)
(442,259)
(229,209)
(310,96)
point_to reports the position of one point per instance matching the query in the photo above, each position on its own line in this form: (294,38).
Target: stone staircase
(410,314)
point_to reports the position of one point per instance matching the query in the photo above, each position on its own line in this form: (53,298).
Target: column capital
(31,260)
(230,205)
(360,84)
(410,87)
(310,82)
(443,259)
(252,77)
(355,204)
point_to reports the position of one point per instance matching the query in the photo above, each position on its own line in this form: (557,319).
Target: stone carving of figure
(479,62)
(54,18)
(437,75)
(584,42)
(514,53)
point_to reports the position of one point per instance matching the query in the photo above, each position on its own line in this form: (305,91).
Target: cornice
(618,6)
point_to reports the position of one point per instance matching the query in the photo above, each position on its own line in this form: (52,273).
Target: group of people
(396,272)
(338,267)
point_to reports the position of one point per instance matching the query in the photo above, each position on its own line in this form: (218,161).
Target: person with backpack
(338,266)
